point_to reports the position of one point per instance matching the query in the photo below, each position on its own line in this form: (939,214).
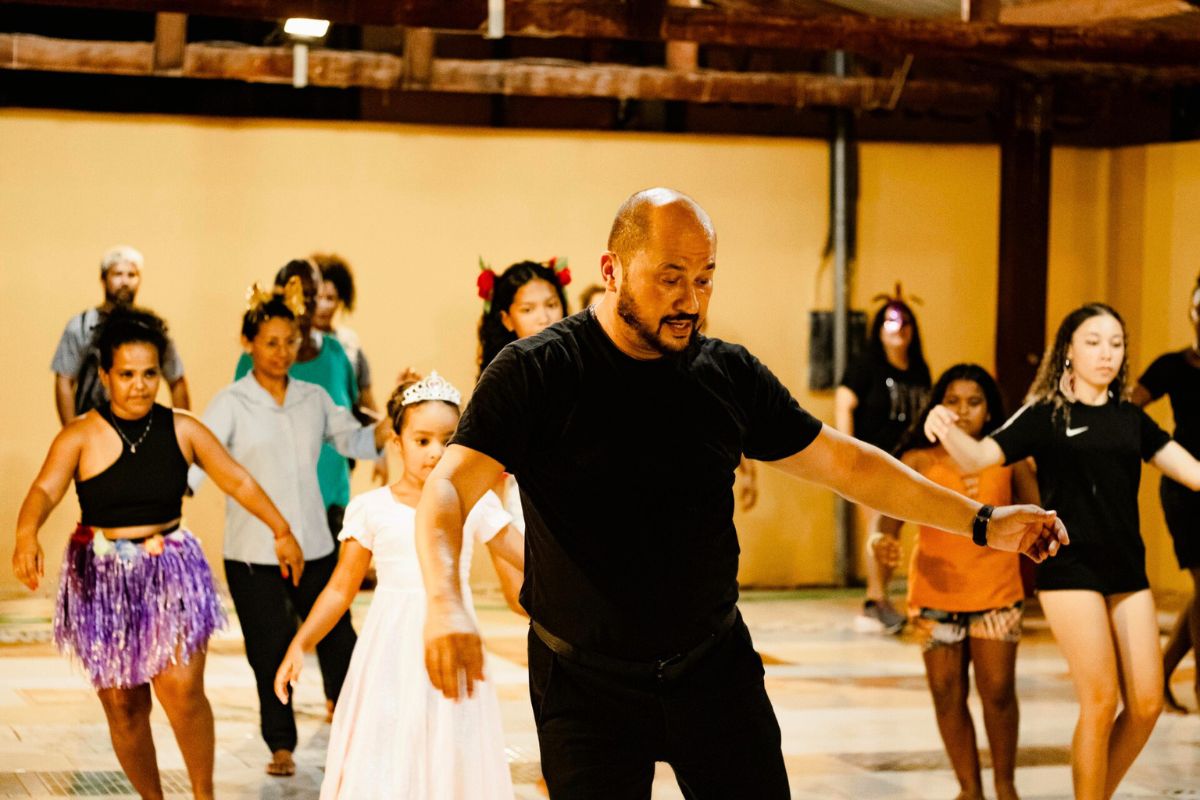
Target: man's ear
(609,267)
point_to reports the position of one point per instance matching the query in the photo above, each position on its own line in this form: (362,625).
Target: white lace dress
(394,735)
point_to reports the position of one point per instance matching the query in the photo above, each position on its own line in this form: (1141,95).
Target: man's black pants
(267,605)
(601,734)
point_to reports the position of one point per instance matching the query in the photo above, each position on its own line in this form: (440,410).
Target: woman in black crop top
(1177,375)
(136,601)
(1088,441)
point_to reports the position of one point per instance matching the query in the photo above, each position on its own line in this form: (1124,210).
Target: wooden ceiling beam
(170,36)
(1089,12)
(734,25)
(337,68)
(896,35)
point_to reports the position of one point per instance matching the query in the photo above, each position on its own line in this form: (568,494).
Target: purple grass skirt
(128,610)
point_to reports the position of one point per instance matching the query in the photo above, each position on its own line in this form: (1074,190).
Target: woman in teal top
(322,361)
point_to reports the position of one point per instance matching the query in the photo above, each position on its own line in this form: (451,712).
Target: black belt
(664,669)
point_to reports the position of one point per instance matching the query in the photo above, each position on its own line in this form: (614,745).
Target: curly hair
(129,325)
(493,336)
(1047,384)
(335,270)
(914,438)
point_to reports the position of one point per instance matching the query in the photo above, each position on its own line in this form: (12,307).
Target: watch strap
(980,526)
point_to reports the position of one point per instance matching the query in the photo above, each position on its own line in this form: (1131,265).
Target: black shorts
(1181,507)
(1097,567)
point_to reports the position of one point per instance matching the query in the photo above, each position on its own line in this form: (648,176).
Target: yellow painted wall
(215,205)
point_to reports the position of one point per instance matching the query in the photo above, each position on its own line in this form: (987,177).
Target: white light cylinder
(300,66)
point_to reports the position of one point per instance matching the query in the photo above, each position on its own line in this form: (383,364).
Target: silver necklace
(133,446)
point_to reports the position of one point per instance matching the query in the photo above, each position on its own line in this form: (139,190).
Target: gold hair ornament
(293,296)
(257,297)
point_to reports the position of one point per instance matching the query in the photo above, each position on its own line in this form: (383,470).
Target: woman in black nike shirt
(1086,439)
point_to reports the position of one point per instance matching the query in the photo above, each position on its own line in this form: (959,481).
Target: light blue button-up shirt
(279,445)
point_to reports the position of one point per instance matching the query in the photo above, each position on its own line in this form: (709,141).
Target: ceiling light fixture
(303,32)
(303,28)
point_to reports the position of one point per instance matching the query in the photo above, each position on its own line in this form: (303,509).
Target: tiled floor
(855,713)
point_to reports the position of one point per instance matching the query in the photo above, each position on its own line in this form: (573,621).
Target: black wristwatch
(980,525)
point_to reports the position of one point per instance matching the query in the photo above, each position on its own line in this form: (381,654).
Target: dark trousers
(267,606)
(335,515)
(600,734)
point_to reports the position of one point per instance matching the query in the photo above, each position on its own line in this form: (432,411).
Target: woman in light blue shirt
(275,426)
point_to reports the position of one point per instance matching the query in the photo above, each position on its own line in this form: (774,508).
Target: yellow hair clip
(257,297)
(293,296)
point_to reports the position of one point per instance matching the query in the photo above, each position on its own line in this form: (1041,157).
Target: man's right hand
(453,650)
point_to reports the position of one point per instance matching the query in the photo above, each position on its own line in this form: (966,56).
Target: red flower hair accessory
(562,273)
(485,284)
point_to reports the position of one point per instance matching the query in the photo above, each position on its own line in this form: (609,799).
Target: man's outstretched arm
(453,650)
(867,475)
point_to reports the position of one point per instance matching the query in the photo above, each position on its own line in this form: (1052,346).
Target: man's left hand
(1035,532)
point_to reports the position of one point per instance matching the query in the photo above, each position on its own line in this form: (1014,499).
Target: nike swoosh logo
(1076,431)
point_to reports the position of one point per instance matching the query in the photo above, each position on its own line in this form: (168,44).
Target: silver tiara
(435,387)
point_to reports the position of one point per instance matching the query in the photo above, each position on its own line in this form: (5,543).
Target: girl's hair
(129,325)
(1047,384)
(335,270)
(397,411)
(255,316)
(914,438)
(492,333)
(916,354)
(297,268)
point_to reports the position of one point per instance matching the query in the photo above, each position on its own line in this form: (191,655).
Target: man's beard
(121,297)
(627,310)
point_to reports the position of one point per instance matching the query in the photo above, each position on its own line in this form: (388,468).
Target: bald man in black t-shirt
(624,426)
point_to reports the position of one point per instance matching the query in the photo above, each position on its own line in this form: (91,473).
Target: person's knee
(125,709)
(997,694)
(1099,701)
(1145,709)
(949,689)
(181,694)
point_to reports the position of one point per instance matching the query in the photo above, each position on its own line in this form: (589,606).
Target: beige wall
(215,205)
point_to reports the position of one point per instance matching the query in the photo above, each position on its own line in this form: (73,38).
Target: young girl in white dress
(393,734)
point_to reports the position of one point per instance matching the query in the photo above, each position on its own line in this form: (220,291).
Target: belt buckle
(661,665)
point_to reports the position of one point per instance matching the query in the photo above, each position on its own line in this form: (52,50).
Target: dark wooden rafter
(770,25)
(336,68)
(419,46)
(972,39)
(170,37)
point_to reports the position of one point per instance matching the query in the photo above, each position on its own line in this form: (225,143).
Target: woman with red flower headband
(523,300)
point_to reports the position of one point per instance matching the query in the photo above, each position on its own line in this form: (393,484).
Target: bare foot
(1170,703)
(965,795)
(1006,791)
(281,764)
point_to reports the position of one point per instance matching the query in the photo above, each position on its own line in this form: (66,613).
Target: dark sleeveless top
(144,486)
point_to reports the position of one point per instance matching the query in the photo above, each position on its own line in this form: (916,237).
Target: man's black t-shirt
(1174,375)
(1088,469)
(626,472)
(889,399)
